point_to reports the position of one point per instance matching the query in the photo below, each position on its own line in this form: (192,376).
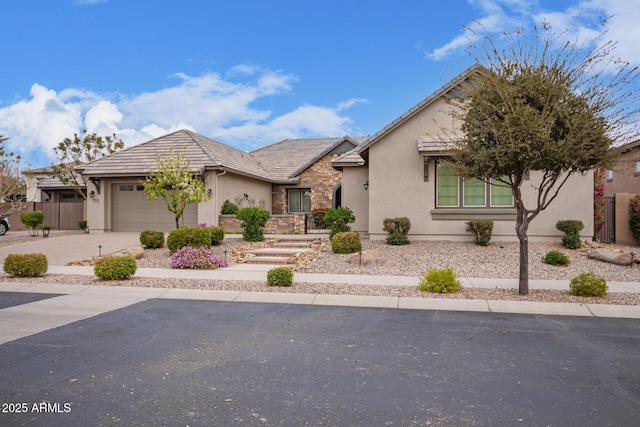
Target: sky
(248,73)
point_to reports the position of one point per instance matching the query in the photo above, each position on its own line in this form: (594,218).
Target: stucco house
(287,178)
(398,172)
(43,186)
(625,176)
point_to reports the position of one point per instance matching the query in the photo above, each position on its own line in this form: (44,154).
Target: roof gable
(201,152)
(426,102)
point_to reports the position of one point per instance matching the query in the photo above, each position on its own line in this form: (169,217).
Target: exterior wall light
(366,184)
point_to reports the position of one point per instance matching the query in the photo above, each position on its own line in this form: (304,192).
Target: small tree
(338,220)
(80,150)
(548,106)
(12,186)
(174,182)
(253,220)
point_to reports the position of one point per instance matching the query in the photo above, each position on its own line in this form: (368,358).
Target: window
(637,167)
(299,200)
(609,175)
(452,192)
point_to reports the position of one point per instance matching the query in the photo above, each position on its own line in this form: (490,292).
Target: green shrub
(481,229)
(346,242)
(115,267)
(152,239)
(32,220)
(217,235)
(25,265)
(440,281)
(228,208)
(188,236)
(571,229)
(589,285)
(338,220)
(280,276)
(634,216)
(253,220)
(82,224)
(556,258)
(398,230)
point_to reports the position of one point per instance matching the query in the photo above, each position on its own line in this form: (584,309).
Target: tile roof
(285,159)
(202,153)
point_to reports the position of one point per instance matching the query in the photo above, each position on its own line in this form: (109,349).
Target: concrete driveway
(61,250)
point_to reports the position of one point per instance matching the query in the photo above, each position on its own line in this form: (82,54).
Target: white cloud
(221,108)
(581,20)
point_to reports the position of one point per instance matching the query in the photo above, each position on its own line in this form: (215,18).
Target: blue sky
(246,72)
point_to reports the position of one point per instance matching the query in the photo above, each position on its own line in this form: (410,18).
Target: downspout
(215,198)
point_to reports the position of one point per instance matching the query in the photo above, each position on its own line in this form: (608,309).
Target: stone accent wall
(320,177)
(277,224)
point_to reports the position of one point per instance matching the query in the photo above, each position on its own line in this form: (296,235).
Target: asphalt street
(212,363)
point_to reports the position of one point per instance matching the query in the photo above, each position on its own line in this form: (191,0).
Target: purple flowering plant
(198,258)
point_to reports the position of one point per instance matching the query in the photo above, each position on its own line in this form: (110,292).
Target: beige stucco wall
(397,188)
(624,179)
(355,197)
(232,187)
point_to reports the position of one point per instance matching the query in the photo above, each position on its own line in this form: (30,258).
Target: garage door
(133,212)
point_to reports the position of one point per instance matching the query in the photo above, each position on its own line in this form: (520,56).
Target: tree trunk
(522,225)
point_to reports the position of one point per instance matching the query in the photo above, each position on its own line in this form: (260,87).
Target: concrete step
(262,259)
(291,244)
(278,251)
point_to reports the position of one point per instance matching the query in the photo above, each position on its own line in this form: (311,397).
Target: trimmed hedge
(152,239)
(346,242)
(397,229)
(589,285)
(253,219)
(217,235)
(556,258)
(188,236)
(26,265)
(571,229)
(481,229)
(280,276)
(442,281)
(115,267)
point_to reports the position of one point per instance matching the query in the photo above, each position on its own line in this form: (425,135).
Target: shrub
(228,208)
(634,216)
(188,236)
(280,276)
(338,220)
(253,220)
(346,242)
(398,229)
(571,229)
(556,258)
(200,258)
(589,285)
(82,224)
(152,239)
(217,235)
(115,267)
(440,281)
(481,229)
(25,265)
(32,220)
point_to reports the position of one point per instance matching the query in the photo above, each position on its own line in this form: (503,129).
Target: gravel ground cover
(498,260)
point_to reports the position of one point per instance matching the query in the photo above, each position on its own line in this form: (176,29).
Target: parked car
(4,225)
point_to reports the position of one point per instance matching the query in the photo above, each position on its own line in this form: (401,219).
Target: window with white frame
(638,167)
(453,192)
(299,200)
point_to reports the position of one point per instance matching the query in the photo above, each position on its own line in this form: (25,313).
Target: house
(287,178)
(399,172)
(44,186)
(625,176)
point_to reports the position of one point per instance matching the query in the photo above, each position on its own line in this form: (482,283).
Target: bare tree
(12,184)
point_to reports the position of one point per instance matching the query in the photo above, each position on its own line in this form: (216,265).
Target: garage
(131,211)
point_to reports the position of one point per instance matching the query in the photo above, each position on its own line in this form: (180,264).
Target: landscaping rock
(380,262)
(606,255)
(366,256)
